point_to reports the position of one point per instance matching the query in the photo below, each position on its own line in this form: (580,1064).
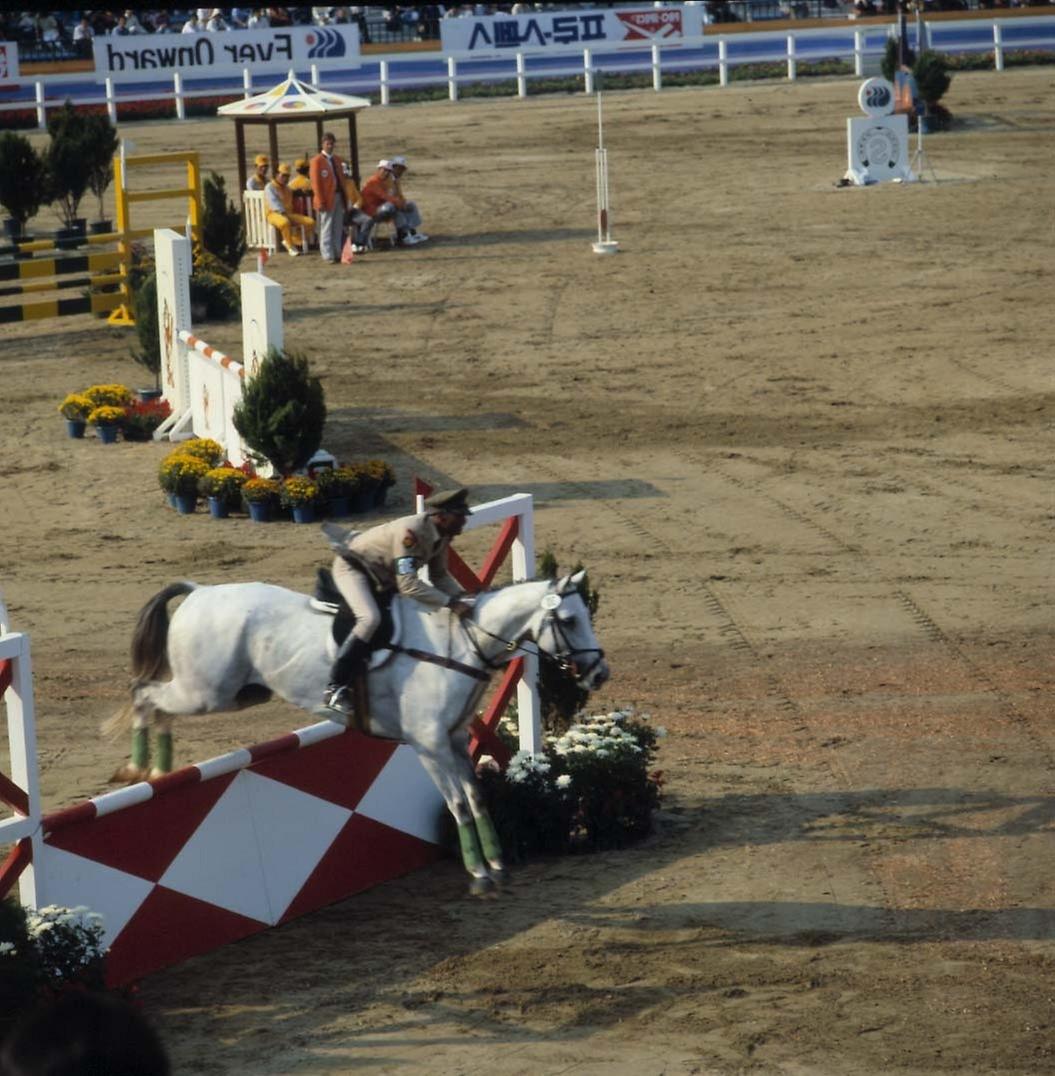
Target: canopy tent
(293,101)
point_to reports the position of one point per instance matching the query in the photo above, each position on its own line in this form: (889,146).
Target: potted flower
(223,488)
(385,478)
(300,495)
(107,421)
(204,448)
(365,494)
(111,395)
(179,475)
(142,418)
(337,485)
(75,409)
(260,496)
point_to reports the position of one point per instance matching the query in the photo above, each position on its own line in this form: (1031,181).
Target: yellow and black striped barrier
(52,273)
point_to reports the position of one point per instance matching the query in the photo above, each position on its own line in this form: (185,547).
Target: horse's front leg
(485,827)
(442,766)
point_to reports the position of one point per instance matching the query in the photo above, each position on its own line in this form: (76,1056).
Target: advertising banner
(8,61)
(553,31)
(142,57)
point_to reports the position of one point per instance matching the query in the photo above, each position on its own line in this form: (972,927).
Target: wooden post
(239,138)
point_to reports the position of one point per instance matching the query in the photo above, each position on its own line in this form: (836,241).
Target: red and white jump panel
(224,849)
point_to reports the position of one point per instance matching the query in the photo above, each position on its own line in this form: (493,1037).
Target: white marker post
(605,243)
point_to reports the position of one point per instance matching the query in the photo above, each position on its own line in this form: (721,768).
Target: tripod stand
(920,163)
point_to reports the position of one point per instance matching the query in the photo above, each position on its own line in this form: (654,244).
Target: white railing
(711,52)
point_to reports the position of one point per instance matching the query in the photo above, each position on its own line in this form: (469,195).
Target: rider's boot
(348,667)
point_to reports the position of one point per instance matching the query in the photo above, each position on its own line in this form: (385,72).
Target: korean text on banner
(144,57)
(548,31)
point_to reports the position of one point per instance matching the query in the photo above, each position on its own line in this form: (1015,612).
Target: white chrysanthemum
(9,947)
(660,732)
(564,781)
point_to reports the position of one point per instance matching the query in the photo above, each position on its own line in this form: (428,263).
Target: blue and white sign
(146,56)
(548,31)
(8,61)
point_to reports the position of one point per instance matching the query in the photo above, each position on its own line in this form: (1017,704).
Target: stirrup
(340,700)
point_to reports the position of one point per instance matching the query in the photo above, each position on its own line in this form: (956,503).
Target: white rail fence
(713,51)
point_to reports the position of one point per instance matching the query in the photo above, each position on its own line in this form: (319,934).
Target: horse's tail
(150,638)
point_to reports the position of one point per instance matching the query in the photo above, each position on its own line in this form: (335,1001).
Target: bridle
(564,656)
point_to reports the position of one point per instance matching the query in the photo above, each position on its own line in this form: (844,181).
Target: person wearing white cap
(382,199)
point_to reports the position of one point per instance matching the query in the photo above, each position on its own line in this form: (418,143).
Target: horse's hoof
(500,876)
(128,774)
(482,887)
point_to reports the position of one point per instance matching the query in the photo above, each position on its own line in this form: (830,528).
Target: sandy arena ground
(801,436)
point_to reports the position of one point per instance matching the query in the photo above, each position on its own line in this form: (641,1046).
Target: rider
(390,555)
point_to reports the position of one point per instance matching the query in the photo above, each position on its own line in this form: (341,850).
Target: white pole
(315,74)
(523,565)
(385,93)
(177,92)
(859,53)
(521,76)
(792,67)
(605,244)
(657,70)
(587,70)
(998,47)
(452,78)
(111,104)
(247,81)
(42,115)
(723,62)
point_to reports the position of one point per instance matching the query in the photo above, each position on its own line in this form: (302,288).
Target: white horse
(231,646)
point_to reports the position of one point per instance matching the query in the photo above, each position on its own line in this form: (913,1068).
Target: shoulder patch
(410,539)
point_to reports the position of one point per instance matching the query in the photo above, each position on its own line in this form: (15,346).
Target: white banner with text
(140,57)
(549,31)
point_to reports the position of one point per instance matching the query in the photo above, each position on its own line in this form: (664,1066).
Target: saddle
(327,599)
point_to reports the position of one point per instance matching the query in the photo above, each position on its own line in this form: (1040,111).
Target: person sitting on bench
(280,209)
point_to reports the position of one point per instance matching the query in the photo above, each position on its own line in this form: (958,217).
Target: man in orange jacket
(327,172)
(382,199)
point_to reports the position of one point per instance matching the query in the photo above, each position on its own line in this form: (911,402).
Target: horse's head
(566,633)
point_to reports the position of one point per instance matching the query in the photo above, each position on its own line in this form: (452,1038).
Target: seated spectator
(162,25)
(280,211)
(300,183)
(258,180)
(216,23)
(83,36)
(258,20)
(193,25)
(48,28)
(238,18)
(121,29)
(382,199)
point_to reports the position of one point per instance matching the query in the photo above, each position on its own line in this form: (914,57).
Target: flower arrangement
(142,418)
(223,482)
(109,395)
(204,448)
(76,407)
(382,474)
(298,491)
(591,788)
(369,480)
(334,482)
(106,415)
(48,950)
(180,473)
(261,491)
